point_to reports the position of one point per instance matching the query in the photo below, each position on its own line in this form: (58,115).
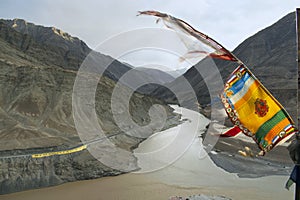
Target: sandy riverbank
(147,187)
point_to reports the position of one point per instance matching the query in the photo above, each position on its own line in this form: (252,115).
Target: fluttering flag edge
(223,53)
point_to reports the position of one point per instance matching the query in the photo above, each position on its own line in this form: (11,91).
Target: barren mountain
(270,54)
(38,67)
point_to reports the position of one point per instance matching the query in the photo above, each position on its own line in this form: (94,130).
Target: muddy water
(191,173)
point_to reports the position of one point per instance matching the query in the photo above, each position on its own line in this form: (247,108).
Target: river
(168,168)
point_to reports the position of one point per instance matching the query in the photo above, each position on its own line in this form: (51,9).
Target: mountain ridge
(270,54)
(36,86)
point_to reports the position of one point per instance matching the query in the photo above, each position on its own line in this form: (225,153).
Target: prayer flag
(250,106)
(252,109)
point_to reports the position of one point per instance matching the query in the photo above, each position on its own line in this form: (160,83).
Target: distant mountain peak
(19,22)
(66,51)
(41,34)
(62,34)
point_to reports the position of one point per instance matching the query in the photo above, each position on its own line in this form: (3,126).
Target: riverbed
(168,168)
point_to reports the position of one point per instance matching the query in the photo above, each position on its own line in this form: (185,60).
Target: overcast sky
(228,21)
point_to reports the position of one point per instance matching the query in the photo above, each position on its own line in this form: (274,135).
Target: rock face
(200,197)
(270,54)
(25,173)
(47,44)
(204,197)
(38,67)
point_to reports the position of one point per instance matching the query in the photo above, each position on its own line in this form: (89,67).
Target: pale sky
(228,21)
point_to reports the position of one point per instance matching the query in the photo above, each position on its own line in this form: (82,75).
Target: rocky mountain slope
(270,54)
(38,66)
